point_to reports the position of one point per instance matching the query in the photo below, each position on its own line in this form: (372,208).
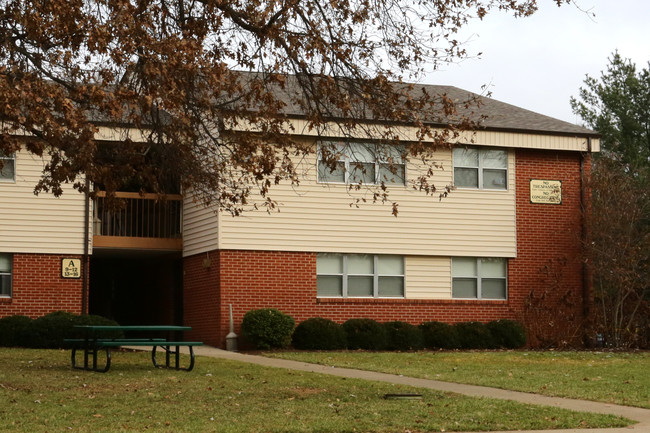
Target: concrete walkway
(642,416)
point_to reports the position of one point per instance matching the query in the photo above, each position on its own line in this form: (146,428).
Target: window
(478,278)
(8,169)
(364,163)
(480,168)
(5,274)
(360,275)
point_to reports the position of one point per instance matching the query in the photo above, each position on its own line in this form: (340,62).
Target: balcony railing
(142,221)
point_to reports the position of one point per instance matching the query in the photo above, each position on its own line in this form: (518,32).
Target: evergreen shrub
(268,328)
(49,331)
(13,330)
(403,336)
(367,334)
(474,335)
(507,334)
(318,333)
(439,335)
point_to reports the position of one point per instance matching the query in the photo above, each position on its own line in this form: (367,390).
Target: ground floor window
(479,278)
(360,275)
(5,274)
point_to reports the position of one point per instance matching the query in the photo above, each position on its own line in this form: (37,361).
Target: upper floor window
(360,275)
(480,168)
(5,274)
(365,163)
(479,278)
(7,167)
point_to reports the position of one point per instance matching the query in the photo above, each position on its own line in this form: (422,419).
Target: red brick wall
(38,288)
(287,281)
(201,298)
(549,255)
(547,236)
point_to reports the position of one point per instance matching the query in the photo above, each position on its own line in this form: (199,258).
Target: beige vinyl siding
(200,227)
(428,277)
(479,138)
(39,224)
(324,218)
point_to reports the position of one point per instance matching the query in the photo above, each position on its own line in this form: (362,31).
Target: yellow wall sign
(70,268)
(546,191)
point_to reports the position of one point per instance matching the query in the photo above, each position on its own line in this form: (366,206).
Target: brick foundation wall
(38,289)
(548,263)
(287,281)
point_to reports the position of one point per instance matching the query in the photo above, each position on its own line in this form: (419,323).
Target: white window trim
(11,278)
(479,280)
(480,168)
(12,159)
(349,165)
(375,279)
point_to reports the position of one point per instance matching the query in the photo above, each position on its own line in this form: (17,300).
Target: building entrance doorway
(136,288)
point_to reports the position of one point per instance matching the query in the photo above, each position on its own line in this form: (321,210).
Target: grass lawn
(620,378)
(42,393)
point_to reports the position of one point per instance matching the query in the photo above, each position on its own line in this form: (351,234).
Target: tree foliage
(617,105)
(618,252)
(618,223)
(173,70)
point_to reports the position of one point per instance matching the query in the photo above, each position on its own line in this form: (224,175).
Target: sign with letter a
(70,268)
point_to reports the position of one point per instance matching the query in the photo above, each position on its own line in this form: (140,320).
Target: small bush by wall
(13,330)
(46,332)
(365,334)
(49,331)
(474,335)
(267,328)
(507,334)
(403,336)
(438,335)
(319,334)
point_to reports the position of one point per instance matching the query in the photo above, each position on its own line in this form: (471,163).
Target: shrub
(474,335)
(507,333)
(13,330)
(438,335)
(403,336)
(268,327)
(319,334)
(365,334)
(48,332)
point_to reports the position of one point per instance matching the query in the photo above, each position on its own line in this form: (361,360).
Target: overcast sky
(539,62)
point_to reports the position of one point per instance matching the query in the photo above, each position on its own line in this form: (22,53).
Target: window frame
(481,168)
(479,277)
(11,158)
(349,157)
(9,273)
(376,275)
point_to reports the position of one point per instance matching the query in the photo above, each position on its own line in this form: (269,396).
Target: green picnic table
(100,338)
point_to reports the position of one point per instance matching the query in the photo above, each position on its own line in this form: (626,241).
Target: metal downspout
(86,256)
(587,278)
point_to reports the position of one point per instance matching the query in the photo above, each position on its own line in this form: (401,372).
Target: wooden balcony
(143,222)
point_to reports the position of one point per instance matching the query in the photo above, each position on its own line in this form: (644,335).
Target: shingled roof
(495,115)
(502,116)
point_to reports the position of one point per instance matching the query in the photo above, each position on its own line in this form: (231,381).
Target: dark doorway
(140,288)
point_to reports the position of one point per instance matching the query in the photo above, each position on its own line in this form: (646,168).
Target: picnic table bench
(96,339)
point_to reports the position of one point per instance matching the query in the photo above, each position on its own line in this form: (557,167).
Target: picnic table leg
(86,366)
(191,359)
(176,356)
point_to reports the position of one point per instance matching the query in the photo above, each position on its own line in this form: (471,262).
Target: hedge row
(46,332)
(269,328)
